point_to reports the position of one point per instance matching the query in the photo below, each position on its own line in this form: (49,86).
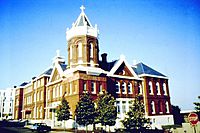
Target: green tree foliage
(178,119)
(106,110)
(136,116)
(63,112)
(85,111)
(197,105)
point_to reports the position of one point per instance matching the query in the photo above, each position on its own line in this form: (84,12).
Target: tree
(106,110)
(85,111)
(197,105)
(136,116)
(62,111)
(178,119)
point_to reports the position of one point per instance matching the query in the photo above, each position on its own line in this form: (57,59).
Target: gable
(123,70)
(55,75)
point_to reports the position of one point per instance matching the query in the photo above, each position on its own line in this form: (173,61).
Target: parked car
(40,127)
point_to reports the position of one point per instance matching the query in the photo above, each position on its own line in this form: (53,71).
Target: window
(48,96)
(130,91)
(41,112)
(164,89)
(167,107)
(41,95)
(54,92)
(123,106)
(100,89)
(93,87)
(70,48)
(123,87)
(75,88)
(140,89)
(38,83)
(117,87)
(118,106)
(153,107)
(70,88)
(91,50)
(34,98)
(157,88)
(160,107)
(38,96)
(60,90)
(84,87)
(79,49)
(150,88)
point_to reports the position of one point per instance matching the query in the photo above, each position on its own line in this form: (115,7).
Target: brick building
(86,72)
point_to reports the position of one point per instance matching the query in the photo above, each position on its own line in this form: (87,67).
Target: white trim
(154,76)
(60,71)
(124,77)
(118,64)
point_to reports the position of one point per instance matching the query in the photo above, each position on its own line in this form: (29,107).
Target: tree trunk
(64,125)
(86,128)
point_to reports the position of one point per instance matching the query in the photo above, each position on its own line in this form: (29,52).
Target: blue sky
(165,35)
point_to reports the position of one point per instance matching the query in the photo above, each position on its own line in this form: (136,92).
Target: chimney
(104,57)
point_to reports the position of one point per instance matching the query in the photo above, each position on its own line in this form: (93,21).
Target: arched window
(79,49)
(140,89)
(164,89)
(40,111)
(70,88)
(167,106)
(93,87)
(158,88)
(117,87)
(160,107)
(70,51)
(153,107)
(150,88)
(100,89)
(130,91)
(84,87)
(91,50)
(123,87)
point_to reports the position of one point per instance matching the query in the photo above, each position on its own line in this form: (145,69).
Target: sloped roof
(144,69)
(107,66)
(48,71)
(82,19)
(23,84)
(63,66)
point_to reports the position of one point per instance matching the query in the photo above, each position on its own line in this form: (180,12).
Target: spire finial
(82,8)
(58,53)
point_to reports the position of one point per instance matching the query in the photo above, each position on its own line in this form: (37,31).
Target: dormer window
(150,88)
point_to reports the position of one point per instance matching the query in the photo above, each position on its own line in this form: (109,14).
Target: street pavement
(23,130)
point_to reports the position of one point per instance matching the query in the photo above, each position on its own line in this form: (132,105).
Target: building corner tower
(82,39)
